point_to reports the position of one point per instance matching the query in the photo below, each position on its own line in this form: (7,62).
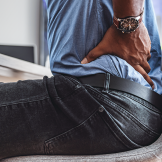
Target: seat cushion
(152,153)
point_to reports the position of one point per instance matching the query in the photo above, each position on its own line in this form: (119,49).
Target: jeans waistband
(110,82)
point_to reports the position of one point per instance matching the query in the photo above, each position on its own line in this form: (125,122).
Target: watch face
(129,25)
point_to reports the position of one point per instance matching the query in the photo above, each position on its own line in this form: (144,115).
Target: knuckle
(91,56)
(148,53)
(149,56)
(149,69)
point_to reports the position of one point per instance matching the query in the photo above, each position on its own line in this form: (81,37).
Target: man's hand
(133,47)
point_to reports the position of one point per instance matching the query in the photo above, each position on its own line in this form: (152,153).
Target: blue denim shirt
(76,26)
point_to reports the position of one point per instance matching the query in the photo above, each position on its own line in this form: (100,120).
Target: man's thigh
(104,123)
(59,115)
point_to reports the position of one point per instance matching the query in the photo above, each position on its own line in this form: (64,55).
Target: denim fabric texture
(60,116)
(76,26)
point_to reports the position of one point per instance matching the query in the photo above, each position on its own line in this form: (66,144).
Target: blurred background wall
(22,29)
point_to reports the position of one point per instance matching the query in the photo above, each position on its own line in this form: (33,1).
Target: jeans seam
(71,130)
(15,103)
(132,118)
(144,127)
(75,81)
(141,103)
(124,139)
(70,95)
(134,99)
(64,135)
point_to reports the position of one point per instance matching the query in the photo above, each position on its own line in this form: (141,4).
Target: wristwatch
(129,24)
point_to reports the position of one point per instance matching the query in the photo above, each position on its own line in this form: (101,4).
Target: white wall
(20,23)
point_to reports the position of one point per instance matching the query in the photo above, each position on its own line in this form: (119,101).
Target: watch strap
(116,22)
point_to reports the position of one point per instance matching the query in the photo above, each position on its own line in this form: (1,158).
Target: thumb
(93,54)
(104,47)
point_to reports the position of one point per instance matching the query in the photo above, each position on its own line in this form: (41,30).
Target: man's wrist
(127,8)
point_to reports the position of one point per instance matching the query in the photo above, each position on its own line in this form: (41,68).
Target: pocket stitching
(64,135)
(104,99)
(51,140)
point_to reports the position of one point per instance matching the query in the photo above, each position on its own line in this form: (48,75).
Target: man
(80,113)
(88,30)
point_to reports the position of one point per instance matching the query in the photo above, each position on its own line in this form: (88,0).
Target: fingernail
(84,61)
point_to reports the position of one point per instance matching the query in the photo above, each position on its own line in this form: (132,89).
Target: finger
(145,65)
(92,55)
(145,75)
(149,56)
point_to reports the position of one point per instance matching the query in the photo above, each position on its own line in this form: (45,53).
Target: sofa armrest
(12,69)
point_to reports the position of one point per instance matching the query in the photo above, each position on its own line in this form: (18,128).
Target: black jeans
(58,115)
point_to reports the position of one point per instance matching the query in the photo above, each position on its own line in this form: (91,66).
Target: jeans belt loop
(106,83)
(102,80)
